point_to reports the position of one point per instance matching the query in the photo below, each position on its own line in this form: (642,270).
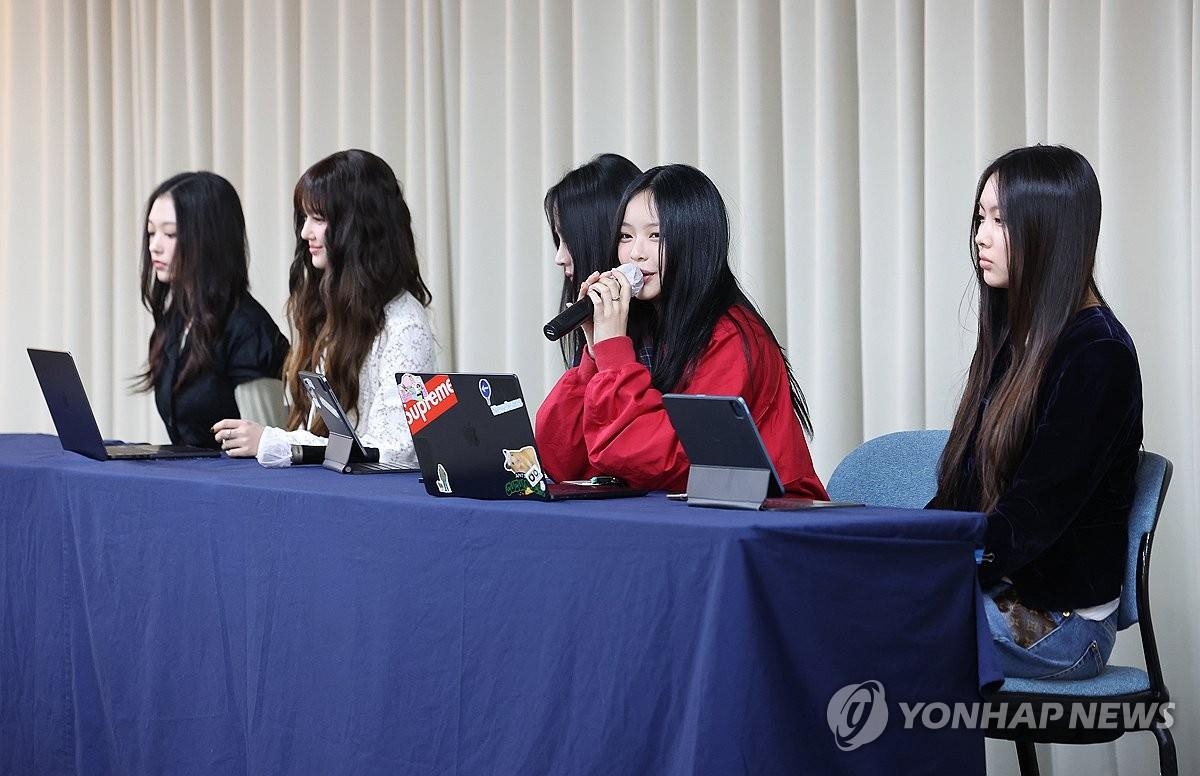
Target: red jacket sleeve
(606,417)
(559,426)
(625,425)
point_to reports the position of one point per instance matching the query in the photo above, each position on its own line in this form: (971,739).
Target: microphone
(573,317)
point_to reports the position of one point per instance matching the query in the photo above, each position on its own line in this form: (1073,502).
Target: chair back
(894,470)
(1153,479)
(261,400)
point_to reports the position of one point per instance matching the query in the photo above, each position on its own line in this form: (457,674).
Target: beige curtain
(846,137)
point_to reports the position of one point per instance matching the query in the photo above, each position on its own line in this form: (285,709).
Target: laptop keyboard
(380,467)
(130,451)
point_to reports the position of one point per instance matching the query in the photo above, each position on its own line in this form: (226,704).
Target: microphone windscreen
(634,274)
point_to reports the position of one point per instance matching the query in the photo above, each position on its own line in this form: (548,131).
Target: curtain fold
(846,137)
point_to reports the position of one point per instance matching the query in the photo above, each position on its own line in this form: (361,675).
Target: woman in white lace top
(356,310)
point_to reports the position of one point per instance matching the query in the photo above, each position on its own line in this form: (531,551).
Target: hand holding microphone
(602,296)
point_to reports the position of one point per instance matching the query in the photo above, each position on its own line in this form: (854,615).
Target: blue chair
(894,470)
(901,470)
(1124,685)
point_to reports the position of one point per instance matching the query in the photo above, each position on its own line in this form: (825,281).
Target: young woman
(697,333)
(1046,437)
(210,336)
(356,309)
(581,210)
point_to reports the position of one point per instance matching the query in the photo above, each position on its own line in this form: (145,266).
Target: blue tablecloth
(214,617)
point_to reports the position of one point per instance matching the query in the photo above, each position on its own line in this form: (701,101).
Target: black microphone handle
(569,319)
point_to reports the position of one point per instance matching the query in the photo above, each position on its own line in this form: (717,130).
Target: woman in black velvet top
(1046,437)
(210,335)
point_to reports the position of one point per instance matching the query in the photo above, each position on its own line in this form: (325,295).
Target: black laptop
(474,439)
(345,452)
(75,421)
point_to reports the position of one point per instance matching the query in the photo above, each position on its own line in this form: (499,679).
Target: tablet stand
(732,488)
(343,451)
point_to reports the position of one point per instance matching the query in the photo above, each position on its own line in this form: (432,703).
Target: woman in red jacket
(691,329)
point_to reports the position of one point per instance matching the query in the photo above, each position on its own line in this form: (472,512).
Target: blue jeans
(1074,647)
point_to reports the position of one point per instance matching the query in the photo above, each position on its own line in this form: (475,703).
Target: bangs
(313,195)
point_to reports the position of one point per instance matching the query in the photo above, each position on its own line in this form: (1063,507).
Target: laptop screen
(68,403)
(472,435)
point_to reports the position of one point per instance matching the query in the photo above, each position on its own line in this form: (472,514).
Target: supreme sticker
(439,397)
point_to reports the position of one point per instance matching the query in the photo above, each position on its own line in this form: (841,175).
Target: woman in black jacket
(210,336)
(1046,437)
(581,210)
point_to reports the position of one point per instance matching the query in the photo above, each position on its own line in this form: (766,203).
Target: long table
(214,617)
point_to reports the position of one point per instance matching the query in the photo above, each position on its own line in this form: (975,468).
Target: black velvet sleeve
(256,346)
(1090,410)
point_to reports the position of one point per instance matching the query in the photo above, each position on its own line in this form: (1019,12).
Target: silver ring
(616,298)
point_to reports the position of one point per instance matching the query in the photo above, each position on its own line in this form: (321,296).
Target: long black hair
(1050,203)
(336,313)
(209,272)
(581,210)
(698,286)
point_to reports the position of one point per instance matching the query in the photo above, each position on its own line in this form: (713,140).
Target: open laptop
(75,421)
(345,452)
(730,466)
(474,439)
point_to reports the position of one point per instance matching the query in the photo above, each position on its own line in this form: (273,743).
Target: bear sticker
(523,462)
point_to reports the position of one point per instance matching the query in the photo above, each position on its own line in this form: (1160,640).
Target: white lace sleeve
(406,344)
(275,445)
